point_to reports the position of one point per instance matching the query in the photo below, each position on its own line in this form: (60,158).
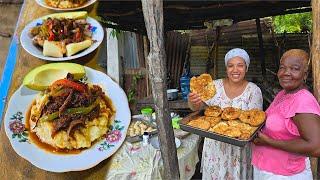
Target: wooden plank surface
(12,166)
(8,23)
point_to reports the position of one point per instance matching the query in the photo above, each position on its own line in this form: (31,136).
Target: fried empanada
(203,86)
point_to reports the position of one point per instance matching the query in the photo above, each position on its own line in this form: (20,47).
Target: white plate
(26,41)
(155,142)
(15,115)
(44,4)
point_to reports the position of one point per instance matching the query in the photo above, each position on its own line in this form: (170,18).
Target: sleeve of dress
(304,102)
(255,99)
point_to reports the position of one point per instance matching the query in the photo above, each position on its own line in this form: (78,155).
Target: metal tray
(219,137)
(138,138)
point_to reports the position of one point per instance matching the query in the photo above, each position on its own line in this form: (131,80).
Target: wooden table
(12,166)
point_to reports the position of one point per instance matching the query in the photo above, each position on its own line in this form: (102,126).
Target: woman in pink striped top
(292,130)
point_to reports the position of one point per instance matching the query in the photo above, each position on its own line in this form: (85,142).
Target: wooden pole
(315,51)
(262,59)
(315,54)
(216,53)
(153,16)
(145,55)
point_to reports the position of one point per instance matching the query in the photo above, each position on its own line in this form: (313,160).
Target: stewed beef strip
(66,103)
(63,122)
(73,125)
(71,121)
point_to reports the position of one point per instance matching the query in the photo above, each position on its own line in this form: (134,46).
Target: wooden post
(153,16)
(262,59)
(216,53)
(315,51)
(146,51)
(315,54)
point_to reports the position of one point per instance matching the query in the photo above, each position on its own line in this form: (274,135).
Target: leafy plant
(133,88)
(115,33)
(293,23)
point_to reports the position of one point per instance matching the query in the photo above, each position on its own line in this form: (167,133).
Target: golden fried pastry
(203,86)
(245,135)
(213,120)
(200,123)
(230,113)
(220,128)
(232,132)
(245,116)
(254,117)
(213,111)
(242,126)
(234,123)
(200,118)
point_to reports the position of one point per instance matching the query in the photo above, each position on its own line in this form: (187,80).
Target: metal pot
(172,94)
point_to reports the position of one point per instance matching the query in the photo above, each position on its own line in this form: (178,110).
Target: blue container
(185,86)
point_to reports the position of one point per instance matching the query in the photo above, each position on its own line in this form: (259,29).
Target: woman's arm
(255,99)
(309,142)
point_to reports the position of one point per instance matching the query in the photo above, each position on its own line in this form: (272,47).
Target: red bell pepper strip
(51,36)
(71,84)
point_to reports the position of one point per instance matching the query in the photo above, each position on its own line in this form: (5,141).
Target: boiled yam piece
(73,48)
(53,49)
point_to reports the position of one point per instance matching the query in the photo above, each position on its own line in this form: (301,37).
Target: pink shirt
(280,126)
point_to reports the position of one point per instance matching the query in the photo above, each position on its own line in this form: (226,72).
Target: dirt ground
(8,17)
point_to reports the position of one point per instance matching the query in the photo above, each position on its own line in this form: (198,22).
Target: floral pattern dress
(225,161)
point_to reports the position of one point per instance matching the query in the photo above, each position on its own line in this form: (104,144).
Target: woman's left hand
(262,139)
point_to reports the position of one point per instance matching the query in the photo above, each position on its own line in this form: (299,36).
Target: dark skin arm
(309,142)
(195,103)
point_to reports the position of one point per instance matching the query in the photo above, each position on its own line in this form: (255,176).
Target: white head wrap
(237,52)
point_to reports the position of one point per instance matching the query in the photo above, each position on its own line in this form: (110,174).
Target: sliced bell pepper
(49,117)
(83,110)
(51,36)
(71,84)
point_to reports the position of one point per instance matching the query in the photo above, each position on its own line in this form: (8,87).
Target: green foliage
(293,23)
(133,88)
(115,33)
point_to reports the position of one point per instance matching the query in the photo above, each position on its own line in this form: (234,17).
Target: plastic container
(185,86)
(145,139)
(172,94)
(147,113)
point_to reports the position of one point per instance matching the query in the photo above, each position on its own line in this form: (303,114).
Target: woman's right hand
(195,101)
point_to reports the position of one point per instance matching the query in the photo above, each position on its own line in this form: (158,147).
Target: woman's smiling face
(236,69)
(291,73)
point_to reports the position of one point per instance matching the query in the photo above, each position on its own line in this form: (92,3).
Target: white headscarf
(237,52)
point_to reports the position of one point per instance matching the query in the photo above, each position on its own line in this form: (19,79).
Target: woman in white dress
(221,160)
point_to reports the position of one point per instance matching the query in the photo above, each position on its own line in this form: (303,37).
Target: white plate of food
(62,36)
(65,5)
(24,133)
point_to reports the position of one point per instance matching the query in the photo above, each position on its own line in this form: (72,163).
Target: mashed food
(71,114)
(63,4)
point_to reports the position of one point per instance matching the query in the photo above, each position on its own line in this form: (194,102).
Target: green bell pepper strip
(49,117)
(78,110)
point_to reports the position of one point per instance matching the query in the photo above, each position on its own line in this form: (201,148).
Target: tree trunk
(216,53)
(315,54)
(153,16)
(315,51)
(261,49)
